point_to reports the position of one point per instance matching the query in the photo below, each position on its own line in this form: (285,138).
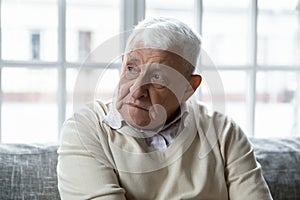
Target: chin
(146,125)
(139,118)
(140,123)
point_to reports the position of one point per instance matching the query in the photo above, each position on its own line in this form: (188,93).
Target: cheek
(123,80)
(123,92)
(124,87)
(165,98)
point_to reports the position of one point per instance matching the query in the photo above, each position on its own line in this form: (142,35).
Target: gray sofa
(28,171)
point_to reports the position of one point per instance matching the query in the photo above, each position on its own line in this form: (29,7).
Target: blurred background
(254,44)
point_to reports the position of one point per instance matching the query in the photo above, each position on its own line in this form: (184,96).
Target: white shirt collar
(114,119)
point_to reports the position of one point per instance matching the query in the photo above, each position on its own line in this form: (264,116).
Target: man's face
(151,87)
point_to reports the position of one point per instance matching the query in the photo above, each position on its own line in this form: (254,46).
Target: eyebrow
(156,66)
(133,59)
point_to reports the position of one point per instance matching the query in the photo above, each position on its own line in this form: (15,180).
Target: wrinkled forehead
(150,55)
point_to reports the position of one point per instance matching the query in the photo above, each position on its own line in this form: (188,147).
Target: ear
(195,81)
(123,62)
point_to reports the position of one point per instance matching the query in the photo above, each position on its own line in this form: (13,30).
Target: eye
(131,69)
(159,80)
(131,72)
(157,76)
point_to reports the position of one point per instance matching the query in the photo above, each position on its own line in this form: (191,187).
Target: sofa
(28,171)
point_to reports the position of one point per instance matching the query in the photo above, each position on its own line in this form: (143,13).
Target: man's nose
(140,87)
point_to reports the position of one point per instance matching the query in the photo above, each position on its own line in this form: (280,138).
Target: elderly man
(153,141)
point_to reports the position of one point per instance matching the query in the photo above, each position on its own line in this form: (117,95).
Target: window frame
(131,12)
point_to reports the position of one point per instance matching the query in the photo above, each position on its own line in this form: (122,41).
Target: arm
(80,174)
(243,174)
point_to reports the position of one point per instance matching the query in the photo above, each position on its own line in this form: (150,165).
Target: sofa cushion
(28,171)
(280,161)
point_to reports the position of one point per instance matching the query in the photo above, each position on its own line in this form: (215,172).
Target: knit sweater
(211,158)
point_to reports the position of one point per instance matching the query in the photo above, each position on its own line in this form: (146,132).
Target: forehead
(142,56)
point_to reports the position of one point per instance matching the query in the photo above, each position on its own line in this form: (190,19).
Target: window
(275,46)
(253,46)
(277,77)
(226,31)
(246,42)
(21,33)
(277,111)
(172,8)
(84,44)
(35,46)
(29,108)
(42,49)
(87,26)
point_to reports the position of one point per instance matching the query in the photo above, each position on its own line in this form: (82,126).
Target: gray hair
(167,34)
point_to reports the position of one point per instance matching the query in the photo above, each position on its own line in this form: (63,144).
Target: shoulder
(216,125)
(221,134)
(208,119)
(96,108)
(91,112)
(85,132)
(85,122)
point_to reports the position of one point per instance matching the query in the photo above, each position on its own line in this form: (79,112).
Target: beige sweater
(211,158)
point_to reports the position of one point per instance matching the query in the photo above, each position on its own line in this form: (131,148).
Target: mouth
(138,106)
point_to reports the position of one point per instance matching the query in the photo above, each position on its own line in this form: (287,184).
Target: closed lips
(138,106)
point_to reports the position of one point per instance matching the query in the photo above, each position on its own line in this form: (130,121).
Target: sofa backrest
(28,171)
(280,162)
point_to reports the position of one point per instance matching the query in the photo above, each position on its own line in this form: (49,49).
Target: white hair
(166,34)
